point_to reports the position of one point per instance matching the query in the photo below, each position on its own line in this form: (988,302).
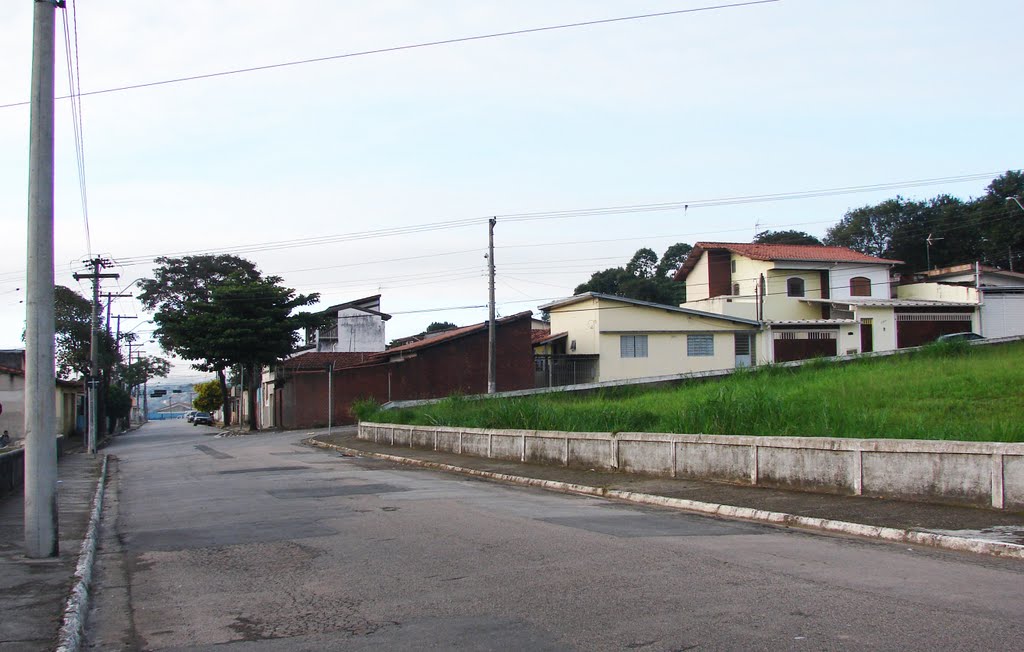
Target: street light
(1015,200)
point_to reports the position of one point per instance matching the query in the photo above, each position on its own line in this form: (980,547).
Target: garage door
(803,345)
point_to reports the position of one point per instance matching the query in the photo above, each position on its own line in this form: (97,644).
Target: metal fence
(559,370)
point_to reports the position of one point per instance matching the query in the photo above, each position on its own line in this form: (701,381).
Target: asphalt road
(259,543)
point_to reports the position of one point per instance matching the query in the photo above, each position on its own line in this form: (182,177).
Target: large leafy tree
(73,345)
(673,259)
(72,336)
(252,323)
(644,277)
(786,237)
(940,231)
(220,311)
(178,289)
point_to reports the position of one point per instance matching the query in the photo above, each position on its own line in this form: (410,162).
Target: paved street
(259,543)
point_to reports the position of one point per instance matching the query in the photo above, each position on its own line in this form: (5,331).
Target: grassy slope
(944,392)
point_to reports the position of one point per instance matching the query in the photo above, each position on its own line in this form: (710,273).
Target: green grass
(950,391)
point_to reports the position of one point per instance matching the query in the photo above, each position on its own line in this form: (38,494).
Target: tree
(118,406)
(643,263)
(673,259)
(180,285)
(141,371)
(208,396)
(789,237)
(438,326)
(248,322)
(639,279)
(983,229)
(72,336)
(73,346)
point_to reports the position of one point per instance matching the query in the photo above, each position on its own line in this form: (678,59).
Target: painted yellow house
(638,339)
(814,300)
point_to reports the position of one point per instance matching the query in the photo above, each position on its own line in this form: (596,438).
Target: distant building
(357,326)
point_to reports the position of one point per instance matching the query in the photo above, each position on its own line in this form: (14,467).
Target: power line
(74,89)
(550,215)
(413,46)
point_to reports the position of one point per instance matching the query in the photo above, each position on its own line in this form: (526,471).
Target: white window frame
(633,346)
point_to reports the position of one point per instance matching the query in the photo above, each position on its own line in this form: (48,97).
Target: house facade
(998,292)
(819,301)
(628,338)
(356,326)
(69,399)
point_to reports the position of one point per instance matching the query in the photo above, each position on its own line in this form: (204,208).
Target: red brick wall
(458,366)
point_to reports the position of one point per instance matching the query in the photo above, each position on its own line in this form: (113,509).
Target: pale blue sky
(790,96)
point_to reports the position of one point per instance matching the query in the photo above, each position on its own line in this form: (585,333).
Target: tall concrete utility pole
(94,367)
(40,383)
(492,343)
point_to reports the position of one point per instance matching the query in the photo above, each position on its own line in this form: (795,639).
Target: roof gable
(645,304)
(455,333)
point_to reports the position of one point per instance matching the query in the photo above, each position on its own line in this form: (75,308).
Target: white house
(816,300)
(358,327)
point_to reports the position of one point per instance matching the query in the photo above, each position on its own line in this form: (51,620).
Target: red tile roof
(321,359)
(455,333)
(770,252)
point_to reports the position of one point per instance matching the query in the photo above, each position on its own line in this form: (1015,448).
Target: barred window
(632,346)
(700,345)
(795,286)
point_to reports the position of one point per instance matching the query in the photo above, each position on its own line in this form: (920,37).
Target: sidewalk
(960,522)
(33,591)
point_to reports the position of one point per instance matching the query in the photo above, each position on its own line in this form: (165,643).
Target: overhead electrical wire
(74,93)
(414,46)
(683,205)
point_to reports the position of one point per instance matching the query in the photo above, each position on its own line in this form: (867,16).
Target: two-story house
(814,300)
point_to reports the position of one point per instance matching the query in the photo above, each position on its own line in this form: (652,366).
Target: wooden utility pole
(40,382)
(492,344)
(94,371)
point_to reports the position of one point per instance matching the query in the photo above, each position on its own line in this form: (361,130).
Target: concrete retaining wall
(968,473)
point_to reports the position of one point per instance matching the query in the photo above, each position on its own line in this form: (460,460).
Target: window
(632,346)
(795,286)
(732,265)
(700,345)
(736,289)
(860,286)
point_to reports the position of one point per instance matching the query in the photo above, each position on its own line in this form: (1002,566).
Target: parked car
(202,418)
(190,415)
(959,337)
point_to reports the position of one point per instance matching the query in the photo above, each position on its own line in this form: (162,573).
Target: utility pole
(492,344)
(40,418)
(110,296)
(117,337)
(94,372)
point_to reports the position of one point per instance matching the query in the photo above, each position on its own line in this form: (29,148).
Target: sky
(285,166)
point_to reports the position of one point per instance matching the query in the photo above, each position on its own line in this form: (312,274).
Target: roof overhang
(579,298)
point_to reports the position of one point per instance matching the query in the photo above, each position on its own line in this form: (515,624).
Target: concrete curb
(70,637)
(895,535)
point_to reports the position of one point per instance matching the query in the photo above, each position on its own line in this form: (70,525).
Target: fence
(980,474)
(560,370)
